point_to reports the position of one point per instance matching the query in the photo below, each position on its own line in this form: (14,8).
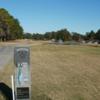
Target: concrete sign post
(22,73)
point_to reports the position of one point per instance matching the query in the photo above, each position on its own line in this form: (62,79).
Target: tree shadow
(6,91)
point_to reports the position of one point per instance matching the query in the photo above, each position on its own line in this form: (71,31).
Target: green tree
(97,35)
(37,36)
(63,34)
(27,36)
(10,26)
(76,36)
(90,35)
(47,35)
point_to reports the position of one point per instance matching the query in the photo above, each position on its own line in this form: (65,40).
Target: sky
(51,15)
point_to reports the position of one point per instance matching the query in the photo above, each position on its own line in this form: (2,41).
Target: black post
(6,91)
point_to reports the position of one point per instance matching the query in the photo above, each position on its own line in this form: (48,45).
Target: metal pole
(12,81)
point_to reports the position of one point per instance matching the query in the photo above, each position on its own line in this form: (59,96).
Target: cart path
(6,54)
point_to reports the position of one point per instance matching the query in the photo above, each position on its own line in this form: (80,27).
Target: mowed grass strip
(61,72)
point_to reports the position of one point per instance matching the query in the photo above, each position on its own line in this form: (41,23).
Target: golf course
(60,72)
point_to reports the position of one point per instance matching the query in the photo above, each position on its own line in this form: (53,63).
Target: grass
(61,72)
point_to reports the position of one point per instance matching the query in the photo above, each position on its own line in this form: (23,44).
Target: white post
(13,91)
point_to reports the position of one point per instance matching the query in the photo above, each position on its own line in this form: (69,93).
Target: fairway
(62,72)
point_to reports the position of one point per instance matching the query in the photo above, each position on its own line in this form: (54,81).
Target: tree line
(10,27)
(65,35)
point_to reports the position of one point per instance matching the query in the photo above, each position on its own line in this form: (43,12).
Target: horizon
(36,16)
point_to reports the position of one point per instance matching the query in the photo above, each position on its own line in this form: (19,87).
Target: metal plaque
(23,93)
(22,73)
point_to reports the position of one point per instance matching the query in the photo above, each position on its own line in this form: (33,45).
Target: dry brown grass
(62,72)
(5,76)
(66,72)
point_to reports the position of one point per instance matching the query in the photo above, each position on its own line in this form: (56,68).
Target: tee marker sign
(22,73)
